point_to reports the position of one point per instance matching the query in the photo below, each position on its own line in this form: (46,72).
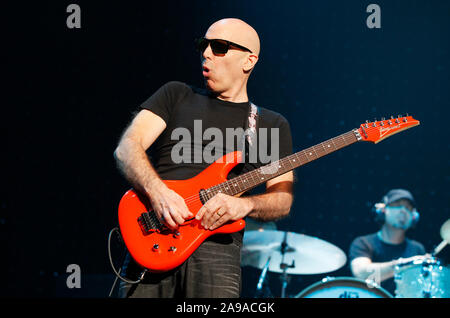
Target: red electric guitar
(158,249)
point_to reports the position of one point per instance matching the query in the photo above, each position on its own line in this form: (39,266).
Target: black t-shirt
(190,112)
(371,246)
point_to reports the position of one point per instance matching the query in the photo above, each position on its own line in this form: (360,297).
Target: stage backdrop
(72,91)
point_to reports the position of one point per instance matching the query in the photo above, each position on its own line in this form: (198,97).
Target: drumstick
(440,247)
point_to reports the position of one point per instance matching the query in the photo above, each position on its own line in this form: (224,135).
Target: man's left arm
(274,204)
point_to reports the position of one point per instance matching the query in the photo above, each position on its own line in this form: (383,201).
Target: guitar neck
(261,175)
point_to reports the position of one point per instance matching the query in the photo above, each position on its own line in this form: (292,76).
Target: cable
(116,229)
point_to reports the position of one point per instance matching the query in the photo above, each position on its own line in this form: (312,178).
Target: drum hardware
(372,284)
(288,253)
(310,255)
(273,251)
(426,275)
(262,277)
(284,266)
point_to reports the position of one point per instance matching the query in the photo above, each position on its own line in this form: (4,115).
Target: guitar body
(161,251)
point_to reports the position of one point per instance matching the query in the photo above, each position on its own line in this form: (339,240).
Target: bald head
(237,31)
(227,74)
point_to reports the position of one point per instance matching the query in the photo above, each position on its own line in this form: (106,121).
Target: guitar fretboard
(255,177)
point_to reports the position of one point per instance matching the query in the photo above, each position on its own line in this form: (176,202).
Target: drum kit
(289,253)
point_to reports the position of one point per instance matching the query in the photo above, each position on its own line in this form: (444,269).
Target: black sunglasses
(218,46)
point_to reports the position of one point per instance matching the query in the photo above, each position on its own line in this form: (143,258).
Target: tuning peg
(367,124)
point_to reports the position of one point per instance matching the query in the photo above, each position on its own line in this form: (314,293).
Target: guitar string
(283,162)
(287,160)
(225,185)
(336,140)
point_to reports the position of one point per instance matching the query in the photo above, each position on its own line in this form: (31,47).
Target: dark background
(71,92)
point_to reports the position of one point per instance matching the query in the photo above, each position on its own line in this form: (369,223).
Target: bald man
(229,52)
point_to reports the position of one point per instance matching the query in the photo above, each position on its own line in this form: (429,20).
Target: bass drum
(344,287)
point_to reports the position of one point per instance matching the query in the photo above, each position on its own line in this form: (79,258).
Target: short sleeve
(421,249)
(163,101)
(417,248)
(285,137)
(359,248)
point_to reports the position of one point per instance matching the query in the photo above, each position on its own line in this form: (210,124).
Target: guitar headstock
(376,131)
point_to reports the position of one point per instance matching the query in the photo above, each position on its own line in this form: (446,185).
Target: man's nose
(405,212)
(207,52)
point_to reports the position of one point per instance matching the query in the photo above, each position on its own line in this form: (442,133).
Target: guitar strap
(251,125)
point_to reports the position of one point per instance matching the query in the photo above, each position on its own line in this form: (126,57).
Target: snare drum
(344,287)
(422,279)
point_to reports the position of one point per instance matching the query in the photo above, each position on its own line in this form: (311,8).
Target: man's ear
(250,63)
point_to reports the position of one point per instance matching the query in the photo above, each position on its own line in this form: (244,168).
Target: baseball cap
(397,194)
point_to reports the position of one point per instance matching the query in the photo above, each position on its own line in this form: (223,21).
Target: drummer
(375,256)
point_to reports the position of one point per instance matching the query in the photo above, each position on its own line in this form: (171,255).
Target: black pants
(212,271)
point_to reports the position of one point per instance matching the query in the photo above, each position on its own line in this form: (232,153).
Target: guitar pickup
(148,222)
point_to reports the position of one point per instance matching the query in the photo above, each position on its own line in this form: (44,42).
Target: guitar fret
(343,139)
(262,174)
(324,149)
(308,154)
(314,148)
(242,181)
(332,140)
(319,151)
(285,162)
(304,159)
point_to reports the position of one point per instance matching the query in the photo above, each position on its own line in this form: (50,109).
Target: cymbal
(303,254)
(445,231)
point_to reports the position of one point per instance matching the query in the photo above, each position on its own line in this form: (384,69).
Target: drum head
(426,279)
(343,287)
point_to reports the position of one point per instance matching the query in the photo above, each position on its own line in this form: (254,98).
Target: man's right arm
(364,268)
(133,162)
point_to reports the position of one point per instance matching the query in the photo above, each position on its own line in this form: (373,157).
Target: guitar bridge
(148,222)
